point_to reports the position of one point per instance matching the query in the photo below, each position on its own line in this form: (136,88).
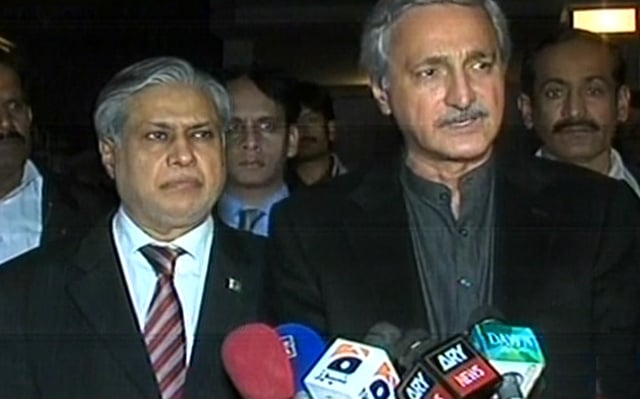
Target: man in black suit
(36,206)
(422,240)
(139,307)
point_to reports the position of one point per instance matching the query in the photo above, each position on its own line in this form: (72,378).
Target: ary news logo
(462,368)
(289,345)
(419,385)
(451,357)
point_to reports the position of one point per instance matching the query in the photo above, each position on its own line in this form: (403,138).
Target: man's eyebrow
(553,80)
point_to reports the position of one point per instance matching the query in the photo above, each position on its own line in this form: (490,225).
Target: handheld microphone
(419,383)
(462,369)
(257,364)
(453,369)
(349,369)
(515,352)
(411,346)
(383,335)
(303,346)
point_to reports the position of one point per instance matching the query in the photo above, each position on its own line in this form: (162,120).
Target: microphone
(462,369)
(257,364)
(514,351)
(452,369)
(303,346)
(349,369)
(411,346)
(383,335)
(419,383)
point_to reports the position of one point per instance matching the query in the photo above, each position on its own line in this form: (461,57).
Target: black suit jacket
(566,264)
(69,208)
(69,329)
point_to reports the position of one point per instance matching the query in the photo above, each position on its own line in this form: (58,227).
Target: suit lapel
(100,293)
(384,266)
(223,307)
(522,241)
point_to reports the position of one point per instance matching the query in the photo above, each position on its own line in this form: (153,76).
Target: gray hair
(375,41)
(111,110)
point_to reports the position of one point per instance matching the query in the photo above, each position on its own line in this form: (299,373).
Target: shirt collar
(616,168)
(476,181)
(29,175)
(229,205)
(193,242)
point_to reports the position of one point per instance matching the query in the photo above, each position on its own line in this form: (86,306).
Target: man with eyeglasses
(259,141)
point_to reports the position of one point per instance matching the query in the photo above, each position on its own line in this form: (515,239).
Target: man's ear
(526,110)
(623,101)
(381,96)
(107,148)
(331,130)
(29,115)
(292,140)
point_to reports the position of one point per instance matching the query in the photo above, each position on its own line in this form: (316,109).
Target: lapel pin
(234,285)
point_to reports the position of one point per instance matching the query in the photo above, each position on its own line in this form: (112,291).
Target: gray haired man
(138,308)
(450,225)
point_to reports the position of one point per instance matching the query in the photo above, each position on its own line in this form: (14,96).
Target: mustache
(474,111)
(12,135)
(568,123)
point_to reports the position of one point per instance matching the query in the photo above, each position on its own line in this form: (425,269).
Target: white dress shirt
(21,215)
(617,170)
(189,276)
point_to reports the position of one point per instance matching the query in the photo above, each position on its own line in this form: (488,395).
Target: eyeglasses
(265,127)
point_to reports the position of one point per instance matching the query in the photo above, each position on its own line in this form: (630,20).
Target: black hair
(316,98)
(12,59)
(273,83)
(561,34)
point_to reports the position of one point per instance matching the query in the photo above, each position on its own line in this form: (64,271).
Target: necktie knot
(161,258)
(248,218)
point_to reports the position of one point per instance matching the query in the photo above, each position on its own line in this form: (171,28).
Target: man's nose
(460,93)
(251,139)
(574,105)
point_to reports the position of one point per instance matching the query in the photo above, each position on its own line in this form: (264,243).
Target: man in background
(316,160)
(36,206)
(574,98)
(260,140)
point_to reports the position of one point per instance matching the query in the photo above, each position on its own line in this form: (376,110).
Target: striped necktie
(164,328)
(248,218)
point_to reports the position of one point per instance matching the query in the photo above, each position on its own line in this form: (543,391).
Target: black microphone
(384,335)
(452,369)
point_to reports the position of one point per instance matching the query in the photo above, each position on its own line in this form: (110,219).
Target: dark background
(74,47)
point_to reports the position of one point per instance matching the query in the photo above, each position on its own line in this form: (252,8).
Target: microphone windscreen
(383,335)
(484,312)
(411,346)
(304,346)
(257,364)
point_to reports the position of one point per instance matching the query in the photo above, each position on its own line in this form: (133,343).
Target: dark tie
(248,218)
(164,328)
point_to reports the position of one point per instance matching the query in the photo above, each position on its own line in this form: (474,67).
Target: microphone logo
(289,345)
(351,369)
